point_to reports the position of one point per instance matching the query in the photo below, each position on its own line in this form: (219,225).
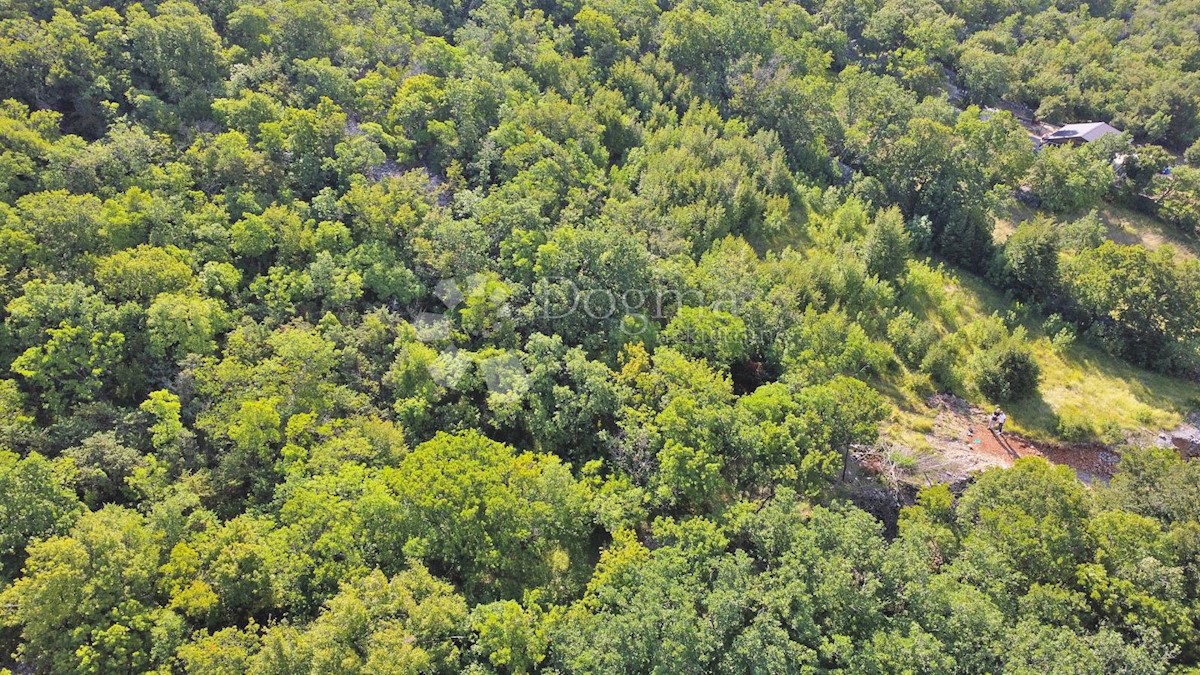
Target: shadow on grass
(1086,390)
(1033,417)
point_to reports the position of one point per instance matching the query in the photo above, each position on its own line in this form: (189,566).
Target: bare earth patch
(962,445)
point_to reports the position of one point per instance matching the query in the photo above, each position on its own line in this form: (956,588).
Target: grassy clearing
(909,428)
(1121,225)
(1129,227)
(1008,220)
(1085,392)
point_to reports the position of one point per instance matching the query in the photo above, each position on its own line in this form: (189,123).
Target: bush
(920,233)
(1085,233)
(1111,433)
(1007,372)
(1061,332)
(920,384)
(1192,154)
(911,337)
(940,364)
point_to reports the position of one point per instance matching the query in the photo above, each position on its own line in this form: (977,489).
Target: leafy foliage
(439,337)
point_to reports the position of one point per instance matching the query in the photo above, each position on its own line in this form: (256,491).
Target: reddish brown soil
(1090,461)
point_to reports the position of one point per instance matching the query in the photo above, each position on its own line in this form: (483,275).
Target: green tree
(1028,262)
(225,574)
(40,504)
(1070,179)
(572,401)
(674,594)
(1155,482)
(141,273)
(509,635)
(469,506)
(701,332)
(1177,197)
(66,227)
(582,281)
(887,245)
(1033,517)
(181,324)
(406,623)
(71,366)
(1138,302)
(103,467)
(177,53)
(87,602)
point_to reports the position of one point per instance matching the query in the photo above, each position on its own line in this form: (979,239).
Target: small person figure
(1001,418)
(993,419)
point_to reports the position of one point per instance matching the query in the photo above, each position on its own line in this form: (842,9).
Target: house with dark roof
(1079,133)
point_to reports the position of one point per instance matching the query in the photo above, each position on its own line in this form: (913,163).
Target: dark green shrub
(1007,372)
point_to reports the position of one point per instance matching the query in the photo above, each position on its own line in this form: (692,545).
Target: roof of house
(1087,131)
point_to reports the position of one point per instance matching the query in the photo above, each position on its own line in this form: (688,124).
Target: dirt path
(964,445)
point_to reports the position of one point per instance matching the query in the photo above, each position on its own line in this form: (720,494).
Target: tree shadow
(1035,415)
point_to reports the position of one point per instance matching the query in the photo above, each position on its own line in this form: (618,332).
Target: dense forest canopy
(391,336)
